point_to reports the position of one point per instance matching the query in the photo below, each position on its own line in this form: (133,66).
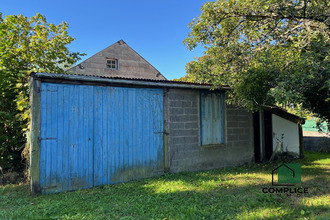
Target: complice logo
(287,174)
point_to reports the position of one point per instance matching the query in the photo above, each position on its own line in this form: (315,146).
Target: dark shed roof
(284,114)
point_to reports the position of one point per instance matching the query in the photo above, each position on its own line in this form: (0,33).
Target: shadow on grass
(141,199)
(229,193)
(136,200)
(315,156)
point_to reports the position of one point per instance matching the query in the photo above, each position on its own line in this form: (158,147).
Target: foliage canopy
(268,51)
(26,45)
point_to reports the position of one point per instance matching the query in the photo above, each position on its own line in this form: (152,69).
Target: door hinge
(162,132)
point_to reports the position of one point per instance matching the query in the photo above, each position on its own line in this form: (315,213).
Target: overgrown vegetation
(26,45)
(229,193)
(269,51)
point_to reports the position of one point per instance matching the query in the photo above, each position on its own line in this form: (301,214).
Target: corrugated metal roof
(126,80)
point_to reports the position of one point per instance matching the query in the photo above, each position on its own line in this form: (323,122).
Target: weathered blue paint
(212,118)
(128,127)
(93,135)
(66,151)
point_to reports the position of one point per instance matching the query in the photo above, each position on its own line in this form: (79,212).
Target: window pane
(112,64)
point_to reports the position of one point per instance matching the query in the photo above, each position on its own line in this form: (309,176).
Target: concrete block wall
(183,125)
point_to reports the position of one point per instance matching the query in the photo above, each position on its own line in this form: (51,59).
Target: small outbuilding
(90,130)
(276,132)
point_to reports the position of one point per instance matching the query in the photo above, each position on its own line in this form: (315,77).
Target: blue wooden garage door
(93,135)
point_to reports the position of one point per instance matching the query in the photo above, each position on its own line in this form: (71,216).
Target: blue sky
(154,28)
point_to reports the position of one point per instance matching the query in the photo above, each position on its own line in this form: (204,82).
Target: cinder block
(177,140)
(98,65)
(185,140)
(230,130)
(176,163)
(176,125)
(111,54)
(243,137)
(176,96)
(242,118)
(243,124)
(237,118)
(248,130)
(190,111)
(183,118)
(179,155)
(186,147)
(176,111)
(238,131)
(243,144)
(191,140)
(86,65)
(191,125)
(144,65)
(232,124)
(184,133)
(241,112)
(93,70)
(180,104)
(184,154)
(193,154)
(231,137)
(229,143)
(99,60)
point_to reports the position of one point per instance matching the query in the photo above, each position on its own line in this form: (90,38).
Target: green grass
(230,193)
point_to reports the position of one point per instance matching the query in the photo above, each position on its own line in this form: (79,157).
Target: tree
(268,51)
(26,45)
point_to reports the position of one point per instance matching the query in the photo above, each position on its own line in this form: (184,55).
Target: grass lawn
(230,193)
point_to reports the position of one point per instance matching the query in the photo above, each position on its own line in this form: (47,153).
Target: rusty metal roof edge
(284,113)
(129,81)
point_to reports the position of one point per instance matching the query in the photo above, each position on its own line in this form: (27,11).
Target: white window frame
(112,63)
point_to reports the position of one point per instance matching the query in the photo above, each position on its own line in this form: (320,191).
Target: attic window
(112,64)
